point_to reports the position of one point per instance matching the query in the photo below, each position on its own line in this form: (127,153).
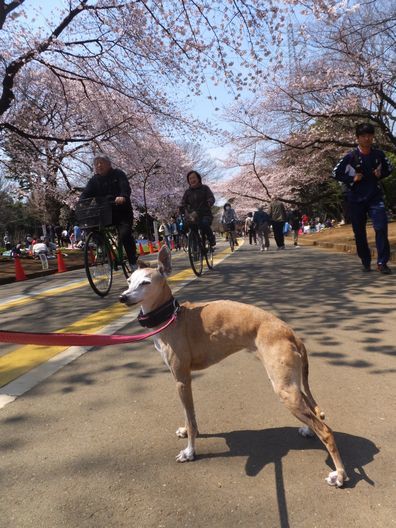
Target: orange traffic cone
(61,263)
(19,273)
(141,252)
(150,245)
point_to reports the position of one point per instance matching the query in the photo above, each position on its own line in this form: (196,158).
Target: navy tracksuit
(366,198)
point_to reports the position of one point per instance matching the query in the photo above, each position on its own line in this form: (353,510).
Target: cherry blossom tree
(336,73)
(341,71)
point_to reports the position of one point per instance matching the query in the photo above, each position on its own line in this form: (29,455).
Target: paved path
(93,445)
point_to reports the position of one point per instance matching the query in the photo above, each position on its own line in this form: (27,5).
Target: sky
(201,107)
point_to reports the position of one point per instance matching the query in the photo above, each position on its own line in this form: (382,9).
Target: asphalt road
(93,444)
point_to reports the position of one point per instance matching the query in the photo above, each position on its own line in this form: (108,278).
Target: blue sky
(200,107)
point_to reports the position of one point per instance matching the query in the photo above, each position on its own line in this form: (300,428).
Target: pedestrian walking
(261,221)
(295,224)
(361,171)
(250,229)
(277,213)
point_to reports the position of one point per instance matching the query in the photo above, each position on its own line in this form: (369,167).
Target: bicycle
(230,230)
(103,251)
(198,248)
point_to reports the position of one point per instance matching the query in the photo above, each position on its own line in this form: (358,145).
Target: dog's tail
(305,369)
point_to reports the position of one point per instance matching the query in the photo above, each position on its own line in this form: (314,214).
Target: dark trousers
(278,233)
(125,234)
(376,211)
(204,224)
(252,236)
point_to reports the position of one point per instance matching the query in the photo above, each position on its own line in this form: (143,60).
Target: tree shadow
(316,300)
(269,446)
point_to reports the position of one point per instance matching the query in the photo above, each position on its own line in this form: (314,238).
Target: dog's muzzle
(128,300)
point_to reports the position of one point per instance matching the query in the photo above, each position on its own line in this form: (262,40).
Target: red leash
(86,340)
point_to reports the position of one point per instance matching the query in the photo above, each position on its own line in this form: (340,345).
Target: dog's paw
(182,432)
(306,432)
(336,478)
(185,455)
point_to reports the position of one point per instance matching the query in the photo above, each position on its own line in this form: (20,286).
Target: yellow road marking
(42,295)
(25,358)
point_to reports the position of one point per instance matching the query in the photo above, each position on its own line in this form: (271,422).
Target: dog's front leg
(185,393)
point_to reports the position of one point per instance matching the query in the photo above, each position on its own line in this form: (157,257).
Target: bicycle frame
(114,245)
(103,254)
(198,248)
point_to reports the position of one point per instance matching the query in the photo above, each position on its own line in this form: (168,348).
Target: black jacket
(369,188)
(199,199)
(294,220)
(261,218)
(106,188)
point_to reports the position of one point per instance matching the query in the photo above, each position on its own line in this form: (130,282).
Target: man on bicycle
(111,185)
(197,204)
(229,219)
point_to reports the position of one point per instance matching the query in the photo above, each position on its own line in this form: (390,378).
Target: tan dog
(206,333)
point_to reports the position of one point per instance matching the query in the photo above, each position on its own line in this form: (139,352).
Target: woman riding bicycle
(228,220)
(197,204)
(111,185)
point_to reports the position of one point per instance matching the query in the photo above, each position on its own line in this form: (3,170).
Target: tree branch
(6,9)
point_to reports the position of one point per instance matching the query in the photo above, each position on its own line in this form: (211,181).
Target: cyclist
(229,219)
(197,204)
(111,185)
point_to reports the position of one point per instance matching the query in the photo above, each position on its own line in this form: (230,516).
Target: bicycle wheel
(231,241)
(209,252)
(195,253)
(98,264)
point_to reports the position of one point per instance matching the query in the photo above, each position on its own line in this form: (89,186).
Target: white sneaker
(266,249)
(261,249)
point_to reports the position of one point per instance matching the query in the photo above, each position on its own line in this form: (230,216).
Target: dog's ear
(142,264)
(164,261)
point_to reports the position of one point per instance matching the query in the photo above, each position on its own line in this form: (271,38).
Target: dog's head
(145,283)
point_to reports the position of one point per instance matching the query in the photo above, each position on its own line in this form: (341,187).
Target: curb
(344,248)
(37,274)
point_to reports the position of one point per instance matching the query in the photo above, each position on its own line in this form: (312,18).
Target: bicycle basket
(90,214)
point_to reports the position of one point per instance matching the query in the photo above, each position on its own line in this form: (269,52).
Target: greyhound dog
(205,333)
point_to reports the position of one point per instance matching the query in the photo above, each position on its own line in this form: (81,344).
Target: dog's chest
(160,346)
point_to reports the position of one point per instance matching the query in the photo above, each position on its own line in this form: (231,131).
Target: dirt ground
(343,235)
(32,267)
(341,238)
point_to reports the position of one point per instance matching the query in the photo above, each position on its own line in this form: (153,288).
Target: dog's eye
(145,283)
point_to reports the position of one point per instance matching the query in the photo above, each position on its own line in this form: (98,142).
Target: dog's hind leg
(308,395)
(287,368)
(293,398)
(185,393)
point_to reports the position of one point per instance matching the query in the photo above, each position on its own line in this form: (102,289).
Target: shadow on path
(269,446)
